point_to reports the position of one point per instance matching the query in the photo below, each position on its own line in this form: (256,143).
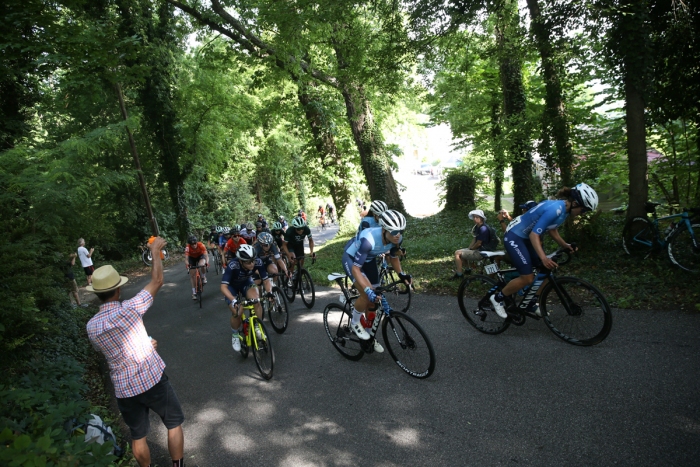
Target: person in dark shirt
(481,237)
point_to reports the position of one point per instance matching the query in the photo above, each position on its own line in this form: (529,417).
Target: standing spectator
(71,285)
(136,369)
(86,259)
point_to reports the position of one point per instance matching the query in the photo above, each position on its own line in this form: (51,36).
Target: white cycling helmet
(246,252)
(392,220)
(378,207)
(585,196)
(298,222)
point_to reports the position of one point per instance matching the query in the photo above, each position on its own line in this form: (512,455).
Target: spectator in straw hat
(136,369)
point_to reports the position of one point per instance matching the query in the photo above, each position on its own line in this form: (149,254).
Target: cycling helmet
(281,218)
(249,226)
(191,239)
(226,232)
(392,220)
(212,228)
(298,223)
(246,252)
(585,196)
(265,238)
(236,227)
(378,207)
(277,226)
(234,231)
(260,215)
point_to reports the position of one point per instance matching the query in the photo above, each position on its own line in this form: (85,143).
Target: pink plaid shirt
(118,332)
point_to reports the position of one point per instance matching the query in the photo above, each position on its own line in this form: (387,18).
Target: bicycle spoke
(408,345)
(336,321)
(473,298)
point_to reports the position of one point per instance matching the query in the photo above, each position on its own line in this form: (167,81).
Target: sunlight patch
(211,416)
(406,437)
(311,318)
(238,443)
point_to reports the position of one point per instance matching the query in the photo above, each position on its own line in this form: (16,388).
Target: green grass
(650,284)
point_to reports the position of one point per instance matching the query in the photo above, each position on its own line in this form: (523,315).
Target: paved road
(521,398)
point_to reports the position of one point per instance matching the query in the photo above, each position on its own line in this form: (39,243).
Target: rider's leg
(251,294)
(202,270)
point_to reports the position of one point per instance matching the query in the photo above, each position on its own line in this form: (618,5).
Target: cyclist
(321,211)
(284,223)
(329,209)
(266,249)
(233,244)
(239,277)
(372,219)
(294,238)
(523,237)
(359,263)
(213,239)
(278,234)
(196,256)
(302,214)
(248,233)
(260,228)
(262,220)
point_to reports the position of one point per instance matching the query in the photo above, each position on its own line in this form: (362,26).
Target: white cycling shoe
(359,330)
(498,306)
(236,342)
(378,347)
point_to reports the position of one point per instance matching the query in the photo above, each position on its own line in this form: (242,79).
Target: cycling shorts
(241,288)
(298,250)
(522,253)
(194,262)
(369,269)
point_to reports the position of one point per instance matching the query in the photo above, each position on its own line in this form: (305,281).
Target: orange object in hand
(150,240)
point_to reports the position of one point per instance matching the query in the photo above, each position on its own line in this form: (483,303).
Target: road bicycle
(407,343)
(218,262)
(397,292)
(147,257)
(255,337)
(573,309)
(198,282)
(275,307)
(301,283)
(641,237)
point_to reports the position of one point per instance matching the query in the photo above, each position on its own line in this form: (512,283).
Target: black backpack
(494,240)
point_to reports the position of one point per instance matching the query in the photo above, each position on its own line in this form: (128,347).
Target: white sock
(193,291)
(356,315)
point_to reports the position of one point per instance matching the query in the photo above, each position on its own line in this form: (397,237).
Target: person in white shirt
(86,259)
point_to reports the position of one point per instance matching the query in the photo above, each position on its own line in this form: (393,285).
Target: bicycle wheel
(398,295)
(575,311)
(278,314)
(217,264)
(146,257)
(289,290)
(200,290)
(408,345)
(306,288)
(684,248)
(336,320)
(262,350)
(638,237)
(473,297)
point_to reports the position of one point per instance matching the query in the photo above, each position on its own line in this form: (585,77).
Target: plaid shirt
(118,332)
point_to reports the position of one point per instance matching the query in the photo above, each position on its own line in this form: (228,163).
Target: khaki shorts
(470,255)
(71,286)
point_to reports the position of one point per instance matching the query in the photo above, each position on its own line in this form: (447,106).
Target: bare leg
(141,451)
(176,443)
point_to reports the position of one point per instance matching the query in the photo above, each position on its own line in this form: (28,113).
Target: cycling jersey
(548,215)
(368,222)
(279,239)
(272,252)
(293,238)
(232,246)
(214,238)
(368,245)
(235,274)
(195,252)
(248,236)
(222,240)
(263,222)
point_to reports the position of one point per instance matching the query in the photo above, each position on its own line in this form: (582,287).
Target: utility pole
(134,152)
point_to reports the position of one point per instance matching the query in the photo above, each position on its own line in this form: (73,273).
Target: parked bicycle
(255,337)
(146,256)
(681,239)
(407,343)
(301,283)
(275,306)
(573,309)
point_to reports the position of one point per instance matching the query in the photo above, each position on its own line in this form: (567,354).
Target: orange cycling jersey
(232,246)
(195,252)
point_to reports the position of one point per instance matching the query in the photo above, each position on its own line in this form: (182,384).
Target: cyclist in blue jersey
(359,263)
(523,240)
(372,219)
(239,276)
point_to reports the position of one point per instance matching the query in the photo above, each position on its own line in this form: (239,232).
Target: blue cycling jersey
(548,215)
(367,223)
(369,244)
(235,273)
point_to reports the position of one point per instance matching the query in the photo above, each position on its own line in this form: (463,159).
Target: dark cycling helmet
(234,231)
(246,253)
(298,223)
(212,228)
(585,196)
(258,225)
(392,220)
(378,207)
(265,238)
(191,239)
(277,226)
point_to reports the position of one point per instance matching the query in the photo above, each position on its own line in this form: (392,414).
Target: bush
(460,189)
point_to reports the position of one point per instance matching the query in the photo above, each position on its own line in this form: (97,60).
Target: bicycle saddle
(492,254)
(335,276)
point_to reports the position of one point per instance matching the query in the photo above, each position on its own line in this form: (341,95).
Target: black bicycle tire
(200,290)
(265,346)
(145,254)
(407,341)
(304,274)
(397,294)
(634,228)
(290,292)
(273,314)
(682,255)
(339,332)
(244,347)
(568,320)
(475,294)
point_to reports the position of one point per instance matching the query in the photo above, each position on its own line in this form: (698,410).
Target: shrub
(460,189)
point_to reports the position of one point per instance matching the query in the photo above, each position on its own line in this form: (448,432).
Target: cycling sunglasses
(396,232)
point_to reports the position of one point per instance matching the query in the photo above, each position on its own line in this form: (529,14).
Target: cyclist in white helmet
(359,263)
(523,237)
(372,218)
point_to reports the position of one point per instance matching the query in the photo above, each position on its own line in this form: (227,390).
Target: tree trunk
(555,110)
(327,150)
(636,150)
(498,156)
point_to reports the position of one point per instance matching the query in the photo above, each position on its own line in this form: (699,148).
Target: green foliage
(459,187)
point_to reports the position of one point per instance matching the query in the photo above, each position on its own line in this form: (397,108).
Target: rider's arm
(557,238)
(537,245)
(311,246)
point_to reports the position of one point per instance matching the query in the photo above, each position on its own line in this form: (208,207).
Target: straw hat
(106,278)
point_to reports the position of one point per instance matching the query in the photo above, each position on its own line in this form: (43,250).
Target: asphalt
(524,397)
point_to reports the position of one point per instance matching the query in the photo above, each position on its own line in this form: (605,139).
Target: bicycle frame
(684,221)
(251,339)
